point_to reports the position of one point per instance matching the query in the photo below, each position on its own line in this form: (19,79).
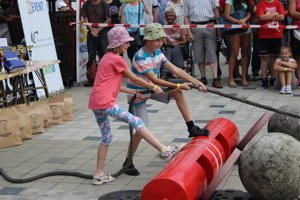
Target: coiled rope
(130,153)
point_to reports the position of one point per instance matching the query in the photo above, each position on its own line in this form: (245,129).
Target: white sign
(3,42)
(38,33)
(81,45)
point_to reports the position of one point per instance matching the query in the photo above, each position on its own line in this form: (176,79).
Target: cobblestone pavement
(73,145)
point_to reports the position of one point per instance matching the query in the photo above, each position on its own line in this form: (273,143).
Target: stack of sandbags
(19,122)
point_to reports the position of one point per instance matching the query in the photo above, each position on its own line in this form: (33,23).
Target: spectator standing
(255,61)
(161,11)
(294,13)
(286,32)
(14,22)
(96,11)
(269,12)
(238,40)
(114,7)
(131,15)
(152,16)
(178,7)
(62,6)
(204,41)
(4,30)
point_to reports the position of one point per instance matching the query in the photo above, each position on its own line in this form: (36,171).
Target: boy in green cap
(146,65)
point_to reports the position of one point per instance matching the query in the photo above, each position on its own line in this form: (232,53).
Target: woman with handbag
(133,13)
(238,12)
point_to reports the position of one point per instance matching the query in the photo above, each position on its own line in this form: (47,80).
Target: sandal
(232,84)
(105,178)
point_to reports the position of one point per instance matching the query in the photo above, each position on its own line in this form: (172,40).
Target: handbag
(237,15)
(137,39)
(137,42)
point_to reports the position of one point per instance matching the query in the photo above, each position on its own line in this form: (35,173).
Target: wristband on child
(285,69)
(178,86)
(155,86)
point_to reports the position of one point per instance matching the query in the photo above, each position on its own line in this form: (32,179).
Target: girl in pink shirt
(108,82)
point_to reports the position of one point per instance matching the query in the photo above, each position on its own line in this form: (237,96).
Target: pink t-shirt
(174,34)
(107,82)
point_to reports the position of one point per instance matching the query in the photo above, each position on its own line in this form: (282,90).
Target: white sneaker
(283,90)
(105,178)
(289,90)
(171,151)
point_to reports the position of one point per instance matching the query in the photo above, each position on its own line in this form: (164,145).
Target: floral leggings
(116,112)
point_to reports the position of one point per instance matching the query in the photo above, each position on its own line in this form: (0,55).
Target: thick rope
(130,153)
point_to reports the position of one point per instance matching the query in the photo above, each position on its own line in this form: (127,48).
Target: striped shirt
(200,10)
(142,63)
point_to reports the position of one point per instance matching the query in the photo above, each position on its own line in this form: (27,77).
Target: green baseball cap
(154,31)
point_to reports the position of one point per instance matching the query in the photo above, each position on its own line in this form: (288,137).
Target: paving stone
(11,190)
(90,138)
(217,106)
(124,127)
(179,140)
(201,121)
(153,111)
(57,160)
(231,112)
(156,164)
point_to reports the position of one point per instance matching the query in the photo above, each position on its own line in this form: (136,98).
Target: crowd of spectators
(258,48)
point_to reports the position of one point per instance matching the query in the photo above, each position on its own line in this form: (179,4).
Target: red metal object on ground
(189,173)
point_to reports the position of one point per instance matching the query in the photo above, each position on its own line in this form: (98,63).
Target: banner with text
(38,33)
(81,44)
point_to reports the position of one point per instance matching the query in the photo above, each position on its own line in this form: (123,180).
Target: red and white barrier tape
(197,26)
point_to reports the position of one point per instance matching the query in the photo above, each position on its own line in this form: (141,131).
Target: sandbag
(69,104)
(57,107)
(36,114)
(9,129)
(47,112)
(21,112)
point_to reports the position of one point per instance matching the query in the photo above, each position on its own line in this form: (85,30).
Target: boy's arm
(128,73)
(182,74)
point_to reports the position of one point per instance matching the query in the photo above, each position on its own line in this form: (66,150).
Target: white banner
(81,45)
(38,32)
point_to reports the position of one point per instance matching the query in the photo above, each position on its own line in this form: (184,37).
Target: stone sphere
(269,167)
(285,124)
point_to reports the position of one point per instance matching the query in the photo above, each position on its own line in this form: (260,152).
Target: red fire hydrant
(188,174)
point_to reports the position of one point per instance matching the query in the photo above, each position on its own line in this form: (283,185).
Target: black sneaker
(272,81)
(265,83)
(197,131)
(131,170)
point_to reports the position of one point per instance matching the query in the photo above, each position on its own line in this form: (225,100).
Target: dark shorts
(269,46)
(295,44)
